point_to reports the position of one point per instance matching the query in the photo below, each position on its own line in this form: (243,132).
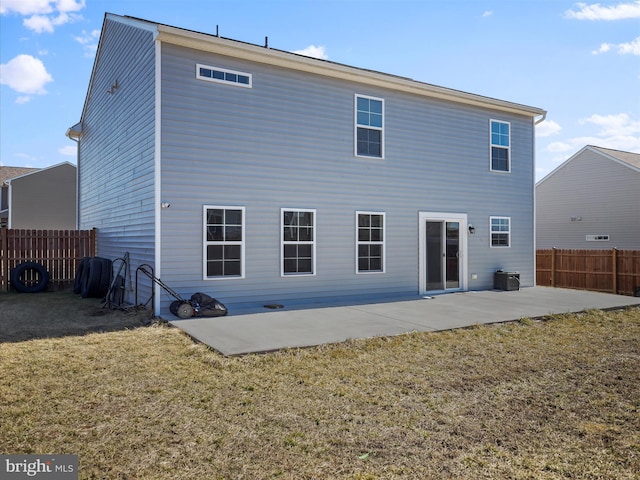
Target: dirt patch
(27,316)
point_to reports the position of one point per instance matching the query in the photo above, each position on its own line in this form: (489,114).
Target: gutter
(280,58)
(544,117)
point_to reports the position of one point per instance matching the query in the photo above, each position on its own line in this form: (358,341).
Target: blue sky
(578,61)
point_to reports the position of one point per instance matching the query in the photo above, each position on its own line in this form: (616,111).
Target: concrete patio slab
(250,330)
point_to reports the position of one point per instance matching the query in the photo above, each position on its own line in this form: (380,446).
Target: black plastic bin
(506,280)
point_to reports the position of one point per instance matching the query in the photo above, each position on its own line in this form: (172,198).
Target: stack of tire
(93,277)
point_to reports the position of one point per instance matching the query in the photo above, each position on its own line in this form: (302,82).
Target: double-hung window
(370,242)
(369,126)
(298,241)
(223,242)
(500,146)
(500,228)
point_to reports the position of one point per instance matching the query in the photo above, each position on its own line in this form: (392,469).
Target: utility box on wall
(506,280)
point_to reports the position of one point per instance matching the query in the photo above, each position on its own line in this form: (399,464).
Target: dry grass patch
(526,400)
(58,314)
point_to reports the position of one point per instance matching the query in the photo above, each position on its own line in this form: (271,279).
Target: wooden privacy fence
(59,251)
(612,271)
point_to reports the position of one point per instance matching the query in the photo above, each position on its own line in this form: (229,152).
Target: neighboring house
(42,199)
(7,173)
(591,201)
(257,175)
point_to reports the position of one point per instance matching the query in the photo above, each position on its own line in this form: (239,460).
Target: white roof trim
(280,58)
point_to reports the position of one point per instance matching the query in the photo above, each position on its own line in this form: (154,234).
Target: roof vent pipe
(266,42)
(217,32)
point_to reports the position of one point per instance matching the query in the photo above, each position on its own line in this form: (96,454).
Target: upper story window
(370,242)
(500,231)
(298,242)
(369,126)
(223,75)
(223,242)
(500,146)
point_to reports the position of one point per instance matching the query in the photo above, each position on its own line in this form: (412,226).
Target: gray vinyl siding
(45,199)
(604,193)
(116,167)
(288,142)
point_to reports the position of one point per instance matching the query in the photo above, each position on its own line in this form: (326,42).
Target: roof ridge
(630,158)
(8,172)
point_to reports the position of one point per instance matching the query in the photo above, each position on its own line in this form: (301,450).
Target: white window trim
(491,232)
(225,70)
(205,242)
(312,243)
(383,243)
(355,127)
(491,145)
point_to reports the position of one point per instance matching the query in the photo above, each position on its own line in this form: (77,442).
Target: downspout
(74,133)
(77,179)
(157,161)
(9,202)
(535,213)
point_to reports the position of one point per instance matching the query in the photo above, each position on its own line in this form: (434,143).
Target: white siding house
(258,175)
(591,201)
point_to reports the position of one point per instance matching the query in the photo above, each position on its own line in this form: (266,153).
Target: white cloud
(40,7)
(619,132)
(571,145)
(44,15)
(613,125)
(313,51)
(25,74)
(68,150)
(38,23)
(547,129)
(558,147)
(631,48)
(604,48)
(488,13)
(87,37)
(23,99)
(25,7)
(596,11)
(25,159)
(89,41)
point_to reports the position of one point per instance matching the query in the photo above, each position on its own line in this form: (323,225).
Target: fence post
(614,269)
(553,267)
(94,241)
(4,257)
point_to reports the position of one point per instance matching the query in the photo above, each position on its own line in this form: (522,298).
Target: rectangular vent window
(597,238)
(223,75)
